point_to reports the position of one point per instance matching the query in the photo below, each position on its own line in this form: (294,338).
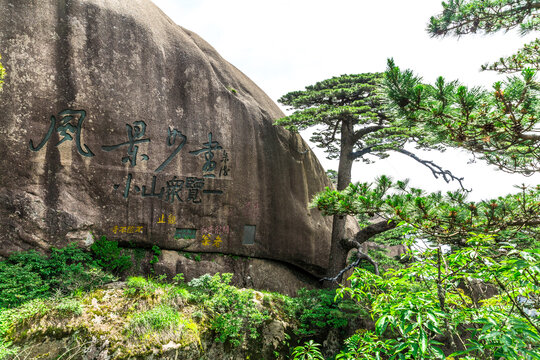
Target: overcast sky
(285,45)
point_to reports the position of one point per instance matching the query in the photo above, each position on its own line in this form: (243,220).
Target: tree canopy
(430,309)
(501,124)
(353,122)
(349,101)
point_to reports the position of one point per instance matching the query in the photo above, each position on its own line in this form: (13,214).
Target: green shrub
(12,317)
(19,284)
(139,285)
(317,310)
(178,279)
(109,256)
(29,275)
(233,311)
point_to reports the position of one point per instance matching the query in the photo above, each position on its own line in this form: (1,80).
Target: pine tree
(353,123)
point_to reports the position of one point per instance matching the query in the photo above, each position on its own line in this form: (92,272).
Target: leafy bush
(29,275)
(19,284)
(157,251)
(137,285)
(317,310)
(418,307)
(308,351)
(109,256)
(363,345)
(9,318)
(234,311)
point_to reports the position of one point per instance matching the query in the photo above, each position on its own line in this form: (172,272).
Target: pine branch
(359,257)
(358,154)
(435,169)
(362,236)
(460,17)
(367,130)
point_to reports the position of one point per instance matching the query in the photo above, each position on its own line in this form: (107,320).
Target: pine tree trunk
(338,253)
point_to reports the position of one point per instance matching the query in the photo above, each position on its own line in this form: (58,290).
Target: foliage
(423,305)
(68,307)
(155,258)
(317,310)
(499,125)
(363,345)
(233,311)
(420,307)
(109,256)
(332,176)
(9,318)
(29,275)
(448,218)
(19,284)
(308,351)
(527,57)
(461,17)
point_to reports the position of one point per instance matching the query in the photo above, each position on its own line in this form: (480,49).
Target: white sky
(284,45)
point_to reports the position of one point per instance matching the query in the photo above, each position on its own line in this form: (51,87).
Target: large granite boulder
(115,121)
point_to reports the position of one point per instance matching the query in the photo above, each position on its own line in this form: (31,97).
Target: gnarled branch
(359,257)
(361,237)
(435,169)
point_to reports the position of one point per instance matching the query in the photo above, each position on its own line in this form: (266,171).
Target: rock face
(115,121)
(248,272)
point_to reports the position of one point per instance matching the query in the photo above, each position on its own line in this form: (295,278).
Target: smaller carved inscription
(185,234)
(128,229)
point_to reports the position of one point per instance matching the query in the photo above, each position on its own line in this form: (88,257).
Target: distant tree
(332,175)
(351,123)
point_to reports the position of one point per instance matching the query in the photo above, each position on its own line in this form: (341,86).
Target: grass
(159,318)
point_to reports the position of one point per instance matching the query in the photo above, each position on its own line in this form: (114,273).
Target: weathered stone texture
(248,272)
(130,71)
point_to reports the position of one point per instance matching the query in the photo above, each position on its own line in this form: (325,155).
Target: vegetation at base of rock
(145,315)
(158,319)
(29,275)
(109,256)
(317,310)
(235,314)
